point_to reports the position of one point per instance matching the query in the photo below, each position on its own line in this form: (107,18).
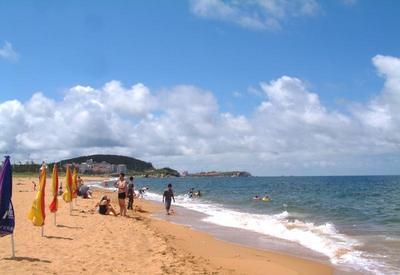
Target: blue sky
(61,44)
(162,44)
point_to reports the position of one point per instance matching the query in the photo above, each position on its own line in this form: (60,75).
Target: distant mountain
(131,163)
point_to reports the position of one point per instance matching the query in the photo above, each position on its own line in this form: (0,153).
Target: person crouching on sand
(105,206)
(122,192)
(168,196)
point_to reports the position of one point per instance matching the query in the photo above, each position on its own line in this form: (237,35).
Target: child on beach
(60,190)
(142,191)
(131,193)
(168,196)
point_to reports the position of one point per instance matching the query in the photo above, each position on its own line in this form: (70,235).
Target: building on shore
(121,168)
(184,174)
(92,167)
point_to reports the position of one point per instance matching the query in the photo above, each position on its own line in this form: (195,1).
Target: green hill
(131,163)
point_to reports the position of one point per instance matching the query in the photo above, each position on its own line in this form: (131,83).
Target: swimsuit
(121,190)
(168,204)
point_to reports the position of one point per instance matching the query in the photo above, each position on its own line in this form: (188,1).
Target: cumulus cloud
(255,14)
(381,117)
(290,131)
(8,52)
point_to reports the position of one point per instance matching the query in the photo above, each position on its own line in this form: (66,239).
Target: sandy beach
(87,242)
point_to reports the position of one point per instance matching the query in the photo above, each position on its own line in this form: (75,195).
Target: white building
(101,168)
(121,168)
(84,167)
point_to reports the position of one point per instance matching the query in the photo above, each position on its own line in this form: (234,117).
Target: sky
(274,87)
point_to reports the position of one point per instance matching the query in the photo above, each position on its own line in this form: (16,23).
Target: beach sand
(86,242)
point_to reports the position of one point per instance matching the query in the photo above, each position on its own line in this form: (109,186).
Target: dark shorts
(103,209)
(168,204)
(121,196)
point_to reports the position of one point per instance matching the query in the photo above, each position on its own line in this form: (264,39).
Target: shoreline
(250,239)
(140,244)
(244,259)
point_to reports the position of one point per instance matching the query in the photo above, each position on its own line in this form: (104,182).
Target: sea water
(352,221)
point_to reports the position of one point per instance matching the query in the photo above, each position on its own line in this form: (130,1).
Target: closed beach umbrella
(67,195)
(37,213)
(75,184)
(7,221)
(7,217)
(54,179)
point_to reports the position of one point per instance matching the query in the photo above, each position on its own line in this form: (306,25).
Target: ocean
(352,222)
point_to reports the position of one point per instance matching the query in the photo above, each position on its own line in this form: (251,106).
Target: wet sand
(86,242)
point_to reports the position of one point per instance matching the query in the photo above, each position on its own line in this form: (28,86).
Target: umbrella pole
(70,208)
(12,246)
(55,218)
(42,230)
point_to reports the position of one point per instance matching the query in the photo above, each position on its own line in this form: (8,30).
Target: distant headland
(218,174)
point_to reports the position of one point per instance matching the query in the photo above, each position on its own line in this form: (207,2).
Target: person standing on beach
(122,192)
(80,184)
(131,193)
(168,196)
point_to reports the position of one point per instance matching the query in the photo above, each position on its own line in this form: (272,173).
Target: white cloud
(237,94)
(136,100)
(382,114)
(8,52)
(349,2)
(290,131)
(255,14)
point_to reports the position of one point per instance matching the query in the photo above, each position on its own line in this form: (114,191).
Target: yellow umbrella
(37,213)
(67,195)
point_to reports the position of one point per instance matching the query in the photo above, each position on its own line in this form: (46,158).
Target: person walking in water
(131,193)
(122,192)
(168,196)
